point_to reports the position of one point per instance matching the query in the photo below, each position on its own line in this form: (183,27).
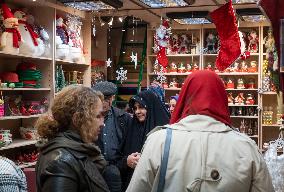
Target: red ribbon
(32,33)
(16,36)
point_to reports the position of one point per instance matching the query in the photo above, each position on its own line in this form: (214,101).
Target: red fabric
(6,12)
(203,93)
(30,82)
(161,56)
(9,77)
(230,46)
(25,66)
(16,36)
(32,33)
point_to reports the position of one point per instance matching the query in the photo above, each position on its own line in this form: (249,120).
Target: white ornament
(161,76)
(94,30)
(121,75)
(108,62)
(134,59)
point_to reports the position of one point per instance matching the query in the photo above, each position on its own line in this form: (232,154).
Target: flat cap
(107,88)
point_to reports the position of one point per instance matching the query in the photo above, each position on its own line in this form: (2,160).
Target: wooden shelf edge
(4,54)
(66,62)
(245,117)
(236,73)
(19,117)
(273,125)
(25,89)
(178,55)
(173,74)
(241,89)
(243,105)
(18,143)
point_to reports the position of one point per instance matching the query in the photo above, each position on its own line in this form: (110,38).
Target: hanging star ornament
(121,75)
(108,62)
(134,59)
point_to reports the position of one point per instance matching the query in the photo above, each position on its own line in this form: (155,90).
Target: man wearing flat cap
(116,125)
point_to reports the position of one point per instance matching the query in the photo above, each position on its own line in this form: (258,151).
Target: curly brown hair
(72,109)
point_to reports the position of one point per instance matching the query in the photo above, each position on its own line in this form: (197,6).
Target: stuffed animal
(11,37)
(62,39)
(31,41)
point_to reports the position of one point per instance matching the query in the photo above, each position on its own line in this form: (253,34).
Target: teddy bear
(11,37)
(31,45)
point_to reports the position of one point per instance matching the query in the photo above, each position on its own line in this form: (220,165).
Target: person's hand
(133,159)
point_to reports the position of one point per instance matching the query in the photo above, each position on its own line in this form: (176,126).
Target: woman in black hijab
(149,112)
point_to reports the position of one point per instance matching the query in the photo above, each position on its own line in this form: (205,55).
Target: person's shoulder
(120,113)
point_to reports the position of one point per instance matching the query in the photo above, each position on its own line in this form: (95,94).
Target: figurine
(243,127)
(241,84)
(61,39)
(236,67)
(230,84)
(253,42)
(165,85)
(188,68)
(211,41)
(174,83)
(269,42)
(239,100)
(184,44)
(173,68)
(253,67)
(174,44)
(195,67)
(181,68)
(230,99)
(209,67)
(251,84)
(244,67)
(249,100)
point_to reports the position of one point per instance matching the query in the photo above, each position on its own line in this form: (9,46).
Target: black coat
(67,164)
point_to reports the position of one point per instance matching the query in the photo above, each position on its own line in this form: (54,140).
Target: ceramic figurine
(230,99)
(269,42)
(239,100)
(243,127)
(230,84)
(253,42)
(165,85)
(188,68)
(241,84)
(244,67)
(173,68)
(253,67)
(195,67)
(173,83)
(251,84)
(209,67)
(250,100)
(181,68)
(236,67)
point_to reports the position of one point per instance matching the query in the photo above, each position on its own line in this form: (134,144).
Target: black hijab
(156,115)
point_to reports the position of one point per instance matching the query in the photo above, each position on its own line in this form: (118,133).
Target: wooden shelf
(19,117)
(273,125)
(18,143)
(25,89)
(236,73)
(243,105)
(245,117)
(172,74)
(21,56)
(254,54)
(253,136)
(269,93)
(172,89)
(66,62)
(241,89)
(179,55)
(25,165)
(210,55)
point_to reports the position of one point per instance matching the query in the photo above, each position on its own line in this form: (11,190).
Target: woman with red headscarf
(203,153)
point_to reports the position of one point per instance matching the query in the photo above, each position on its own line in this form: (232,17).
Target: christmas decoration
(61,39)
(173,68)
(225,20)
(251,84)
(188,67)
(230,84)
(184,44)
(59,78)
(134,59)
(174,44)
(244,67)
(271,52)
(174,83)
(230,98)
(240,84)
(161,40)
(161,76)
(249,100)
(211,44)
(253,67)
(108,62)
(239,100)
(156,67)
(11,37)
(181,68)
(253,42)
(121,75)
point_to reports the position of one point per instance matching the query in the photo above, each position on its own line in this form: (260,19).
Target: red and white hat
(7,14)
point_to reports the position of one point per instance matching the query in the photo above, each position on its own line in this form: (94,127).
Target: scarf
(16,36)
(32,33)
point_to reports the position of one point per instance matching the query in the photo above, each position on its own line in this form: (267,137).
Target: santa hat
(7,14)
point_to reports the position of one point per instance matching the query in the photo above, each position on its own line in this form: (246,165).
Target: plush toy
(11,37)
(211,41)
(253,42)
(31,45)
(62,39)
(174,44)
(184,44)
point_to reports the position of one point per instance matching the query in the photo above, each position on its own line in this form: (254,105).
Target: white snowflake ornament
(161,76)
(121,75)
(134,59)
(108,62)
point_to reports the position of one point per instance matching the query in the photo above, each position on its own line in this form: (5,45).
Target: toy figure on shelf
(156,67)
(184,44)
(195,67)
(62,39)
(250,100)
(239,100)
(253,42)
(11,37)
(165,84)
(271,53)
(253,67)
(240,84)
(243,127)
(174,44)
(181,68)
(188,68)
(236,67)
(209,67)
(174,83)
(211,41)
(273,87)
(173,68)
(244,67)
(230,99)
(251,84)
(230,84)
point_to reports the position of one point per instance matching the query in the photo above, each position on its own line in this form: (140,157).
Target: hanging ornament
(161,76)
(121,75)
(94,30)
(161,39)
(134,59)
(108,62)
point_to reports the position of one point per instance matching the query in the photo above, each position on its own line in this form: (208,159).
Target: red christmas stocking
(230,45)
(161,56)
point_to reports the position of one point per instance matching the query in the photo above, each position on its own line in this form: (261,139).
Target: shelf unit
(200,31)
(45,15)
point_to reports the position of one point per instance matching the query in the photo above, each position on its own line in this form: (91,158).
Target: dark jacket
(68,164)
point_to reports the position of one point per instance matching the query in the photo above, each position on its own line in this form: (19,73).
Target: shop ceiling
(152,10)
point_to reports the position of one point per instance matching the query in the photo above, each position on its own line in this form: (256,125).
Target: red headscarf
(203,93)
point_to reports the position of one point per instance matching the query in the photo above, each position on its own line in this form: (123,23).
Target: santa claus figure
(253,42)
(11,37)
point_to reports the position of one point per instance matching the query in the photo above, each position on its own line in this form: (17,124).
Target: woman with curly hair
(69,161)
